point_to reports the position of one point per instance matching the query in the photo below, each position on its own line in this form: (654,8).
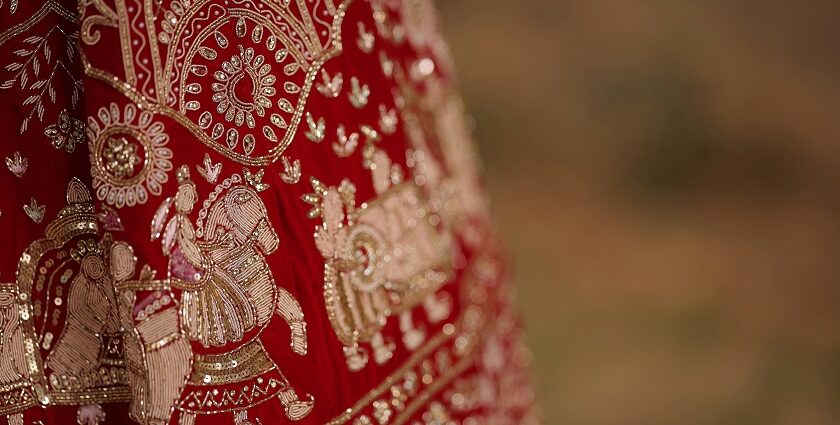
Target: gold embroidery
(331,86)
(359,93)
(118,141)
(291,171)
(36,68)
(208,170)
(442,360)
(114,18)
(387,64)
(49,6)
(387,120)
(255,179)
(316,128)
(34,211)
(248,100)
(382,259)
(16,392)
(66,273)
(366,39)
(13,5)
(228,296)
(17,164)
(237,400)
(226,272)
(67,133)
(120,157)
(346,144)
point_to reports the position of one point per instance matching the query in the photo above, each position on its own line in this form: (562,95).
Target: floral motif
(40,73)
(17,164)
(67,133)
(385,254)
(121,157)
(209,170)
(129,156)
(35,211)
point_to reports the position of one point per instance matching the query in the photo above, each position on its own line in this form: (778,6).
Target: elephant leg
(240,417)
(186,419)
(168,357)
(296,409)
(412,337)
(289,309)
(382,350)
(437,306)
(90,414)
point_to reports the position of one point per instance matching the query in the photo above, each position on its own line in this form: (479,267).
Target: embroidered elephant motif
(382,260)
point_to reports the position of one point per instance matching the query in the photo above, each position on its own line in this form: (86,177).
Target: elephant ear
(160,217)
(332,212)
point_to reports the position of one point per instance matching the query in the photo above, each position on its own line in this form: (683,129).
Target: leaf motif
(74,98)
(159,217)
(168,239)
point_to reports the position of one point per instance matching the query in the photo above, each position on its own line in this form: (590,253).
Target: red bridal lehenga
(244,212)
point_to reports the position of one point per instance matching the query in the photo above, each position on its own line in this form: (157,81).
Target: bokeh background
(667,176)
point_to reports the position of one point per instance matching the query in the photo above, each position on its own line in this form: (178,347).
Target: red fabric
(63,69)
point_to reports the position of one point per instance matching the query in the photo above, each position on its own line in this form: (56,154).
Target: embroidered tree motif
(37,69)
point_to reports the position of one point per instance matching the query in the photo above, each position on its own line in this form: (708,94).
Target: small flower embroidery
(17,164)
(35,211)
(120,157)
(291,171)
(209,170)
(66,133)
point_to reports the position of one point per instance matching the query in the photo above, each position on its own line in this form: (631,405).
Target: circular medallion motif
(129,157)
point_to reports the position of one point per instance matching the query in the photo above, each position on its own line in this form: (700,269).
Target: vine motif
(36,69)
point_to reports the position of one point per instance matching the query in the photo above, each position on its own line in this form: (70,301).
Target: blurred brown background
(667,175)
